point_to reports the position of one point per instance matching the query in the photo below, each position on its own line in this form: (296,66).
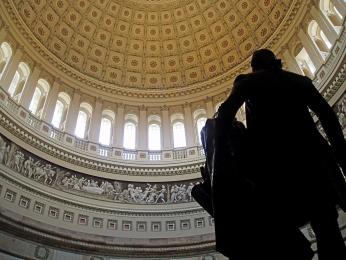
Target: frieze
(116,212)
(21,161)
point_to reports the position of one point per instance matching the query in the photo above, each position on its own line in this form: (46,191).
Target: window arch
(107,120)
(5,56)
(200,117)
(83,120)
(304,62)
(178,129)
(130,131)
(154,137)
(200,123)
(179,139)
(319,38)
(39,97)
(154,132)
(332,14)
(20,77)
(60,111)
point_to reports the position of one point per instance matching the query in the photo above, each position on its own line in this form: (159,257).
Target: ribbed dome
(125,46)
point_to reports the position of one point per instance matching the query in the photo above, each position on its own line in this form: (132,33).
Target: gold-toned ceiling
(152,44)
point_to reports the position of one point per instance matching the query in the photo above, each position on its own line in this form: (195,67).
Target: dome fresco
(151,45)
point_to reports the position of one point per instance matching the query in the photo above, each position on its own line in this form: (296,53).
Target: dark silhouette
(290,175)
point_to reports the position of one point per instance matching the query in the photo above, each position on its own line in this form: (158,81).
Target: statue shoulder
(241,77)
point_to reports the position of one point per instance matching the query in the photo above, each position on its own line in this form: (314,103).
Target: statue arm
(229,108)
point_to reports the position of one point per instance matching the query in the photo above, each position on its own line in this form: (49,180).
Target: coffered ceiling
(152,44)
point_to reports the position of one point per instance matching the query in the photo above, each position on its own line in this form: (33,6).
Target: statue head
(265,59)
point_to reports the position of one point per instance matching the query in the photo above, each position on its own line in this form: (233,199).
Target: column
(291,62)
(29,87)
(166,129)
(340,6)
(324,24)
(95,123)
(143,129)
(311,49)
(189,129)
(11,69)
(72,113)
(49,106)
(118,135)
(209,107)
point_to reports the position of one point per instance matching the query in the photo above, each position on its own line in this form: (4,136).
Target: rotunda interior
(101,107)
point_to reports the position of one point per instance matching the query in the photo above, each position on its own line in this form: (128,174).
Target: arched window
(105,131)
(154,137)
(179,139)
(39,97)
(5,56)
(129,135)
(14,84)
(332,13)
(319,38)
(60,110)
(108,117)
(35,100)
(20,77)
(200,117)
(81,124)
(200,124)
(83,120)
(305,63)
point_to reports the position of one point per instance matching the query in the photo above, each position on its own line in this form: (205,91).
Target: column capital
(57,80)
(187,105)
(208,99)
(20,47)
(38,66)
(164,108)
(77,91)
(120,105)
(99,100)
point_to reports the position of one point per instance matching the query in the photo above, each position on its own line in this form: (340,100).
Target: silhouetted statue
(291,174)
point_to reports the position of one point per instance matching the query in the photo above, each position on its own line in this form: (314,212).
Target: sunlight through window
(35,100)
(154,137)
(105,131)
(81,124)
(59,109)
(129,136)
(179,135)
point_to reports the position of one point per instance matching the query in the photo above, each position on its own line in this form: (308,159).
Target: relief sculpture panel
(29,165)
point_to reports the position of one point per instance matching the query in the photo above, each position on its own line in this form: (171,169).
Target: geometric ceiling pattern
(156,44)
